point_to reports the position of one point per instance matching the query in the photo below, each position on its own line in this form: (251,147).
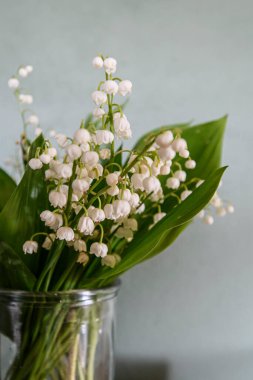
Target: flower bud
(165,169)
(25,99)
(105,154)
(179,144)
(110,65)
(112,179)
(221,211)
(63,170)
(45,158)
(35,164)
(166,153)
(22,72)
(230,208)
(13,83)
(48,242)
(164,139)
(99,249)
(83,258)
(80,245)
(159,216)
(185,194)
(97,62)
(131,223)
(173,183)
(30,247)
(110,87)
(109,261)
(99,97)
(65,233)
(33,120)
(190,164)
(208,219)
(181,175)
(125,87)
(184,153)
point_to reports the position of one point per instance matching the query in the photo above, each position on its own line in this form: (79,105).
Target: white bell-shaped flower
(30,246)
(112,179)
(165,139)
(173,183)
(125,87)
(65,233)
(151,184)
(33,120)
(104,137)
(57,199)
(179,144)
(113,191)
(109,212)
(97,62)
(86,225)
(110,87)
(80,185)
(181,175)
(73,151)
(159,216)
(121,208)
(35,163)
(97,215)
(122,126)
(99,249)
(13,83)
(99,97)
(82,136)
(80,245)
(110,65)
(185,194)
(90,158)
(98,113)
(190,164)
(45,158)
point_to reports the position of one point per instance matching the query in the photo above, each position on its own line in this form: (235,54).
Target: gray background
(188,314)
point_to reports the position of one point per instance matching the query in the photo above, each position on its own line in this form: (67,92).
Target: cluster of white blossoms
(25,100)
(96,202)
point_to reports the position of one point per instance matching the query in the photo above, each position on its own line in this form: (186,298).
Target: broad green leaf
(7,186)
(20,217)
(145,245)
(14,274)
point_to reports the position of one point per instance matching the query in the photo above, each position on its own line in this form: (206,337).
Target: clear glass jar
(57,335)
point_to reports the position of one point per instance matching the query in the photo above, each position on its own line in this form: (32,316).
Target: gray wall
(188,314)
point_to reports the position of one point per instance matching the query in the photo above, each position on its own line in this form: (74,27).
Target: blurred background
(187,314)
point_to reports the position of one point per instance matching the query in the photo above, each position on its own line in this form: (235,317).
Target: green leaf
(20,218)
(145,245)
(7,186)
(14,274)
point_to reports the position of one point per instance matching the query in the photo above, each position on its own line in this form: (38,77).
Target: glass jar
(57,335)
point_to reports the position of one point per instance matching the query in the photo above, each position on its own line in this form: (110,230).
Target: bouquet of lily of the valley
(86,209)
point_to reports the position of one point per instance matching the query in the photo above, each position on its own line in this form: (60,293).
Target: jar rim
(86,296)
